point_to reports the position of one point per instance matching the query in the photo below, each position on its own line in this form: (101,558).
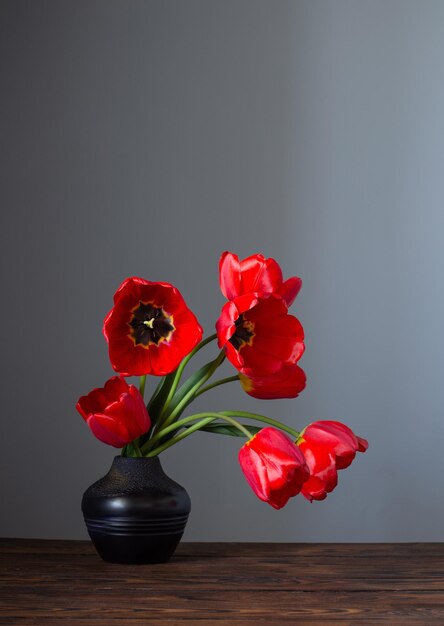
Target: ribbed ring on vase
(124,526)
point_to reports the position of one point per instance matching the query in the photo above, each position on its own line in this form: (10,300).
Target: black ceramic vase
(136,513)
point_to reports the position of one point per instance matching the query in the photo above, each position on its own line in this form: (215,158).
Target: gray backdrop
(145,137)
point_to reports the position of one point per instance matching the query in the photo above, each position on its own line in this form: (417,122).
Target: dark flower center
(243,334)
(150,324)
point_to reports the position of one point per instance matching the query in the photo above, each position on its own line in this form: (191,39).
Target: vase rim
(151,459)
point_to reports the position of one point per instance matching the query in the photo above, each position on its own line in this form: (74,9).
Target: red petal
(94,402)
(83,407)
(254,471)
(273,441)
(234,356)
(125,412)
(255,362)
(184,318)
(129,286)
(140,411)
(314,489)
(323,475)
(246,302)
(272,322)
(114,387)
(229,275)
(165,296)
(165,357)
(296,478)
(260,274)
(283,348)
(97,399)
(116,323)
(267,310)
(287,383)
(128,359)
(362,444)
(108,430)
(290,289)
(271,318)
(225,325)
(335,437)
(268,353)
(280,497)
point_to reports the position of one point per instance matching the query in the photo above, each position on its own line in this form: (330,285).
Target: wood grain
(54,582)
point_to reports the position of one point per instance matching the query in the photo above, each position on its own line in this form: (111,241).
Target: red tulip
(274,466)
(115,413)
(150,328)
(327,446)
(287,383)
(255,274)
(258,334)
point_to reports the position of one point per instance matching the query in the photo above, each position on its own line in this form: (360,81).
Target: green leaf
(228,429)
(155,405)
(156,402)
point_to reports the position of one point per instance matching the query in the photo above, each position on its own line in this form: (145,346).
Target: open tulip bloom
(151,332)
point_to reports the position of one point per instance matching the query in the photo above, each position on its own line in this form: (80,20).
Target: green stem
(142,384)
(191,394)
(222,381)
(156,392)
(263,418)
(136,447)
(180,370)
(177,425)
(207,418)
(178,438)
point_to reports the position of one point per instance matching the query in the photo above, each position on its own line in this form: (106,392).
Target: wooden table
(65,582)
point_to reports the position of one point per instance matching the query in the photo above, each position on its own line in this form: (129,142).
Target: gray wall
(145,138)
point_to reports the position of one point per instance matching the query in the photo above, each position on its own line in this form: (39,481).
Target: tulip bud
(327,446)
(274,466)
(116,413)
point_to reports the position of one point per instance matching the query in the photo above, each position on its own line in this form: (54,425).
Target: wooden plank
(50,582)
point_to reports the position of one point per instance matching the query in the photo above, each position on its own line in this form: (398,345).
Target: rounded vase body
(136,513)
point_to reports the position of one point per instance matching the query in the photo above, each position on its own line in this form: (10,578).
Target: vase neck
(130,464)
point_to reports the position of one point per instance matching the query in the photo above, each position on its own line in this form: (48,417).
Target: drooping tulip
(274,466)
(328,446)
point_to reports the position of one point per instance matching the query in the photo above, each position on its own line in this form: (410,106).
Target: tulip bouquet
(151,332)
